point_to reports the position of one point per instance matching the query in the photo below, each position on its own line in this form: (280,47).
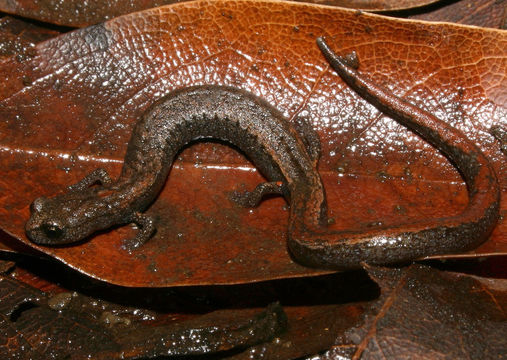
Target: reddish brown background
(70,107)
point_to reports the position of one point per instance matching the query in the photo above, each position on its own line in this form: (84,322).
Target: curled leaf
(69,325)
(83,13)
(486,13)
(427,314)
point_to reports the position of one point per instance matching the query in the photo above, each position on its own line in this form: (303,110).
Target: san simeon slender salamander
(288,158)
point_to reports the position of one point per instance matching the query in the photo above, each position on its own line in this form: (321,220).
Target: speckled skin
(285,157)
(202,112)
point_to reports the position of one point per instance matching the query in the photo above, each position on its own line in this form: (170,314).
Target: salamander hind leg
(147,228)
(253,198)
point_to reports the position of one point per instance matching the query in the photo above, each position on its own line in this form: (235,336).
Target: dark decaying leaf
(486,13)
(70,109)
(74,12)
(82,13)
(376,5)
(18,37)
(6,266)
(311,330)
(421,313)
(72,326)
(424,313)
(317,310)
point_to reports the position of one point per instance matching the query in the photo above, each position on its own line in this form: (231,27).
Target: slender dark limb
(253,198)
(146,226)
(99,175)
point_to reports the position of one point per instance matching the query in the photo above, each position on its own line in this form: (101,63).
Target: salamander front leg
(146,226)
(253,198)
(99,175)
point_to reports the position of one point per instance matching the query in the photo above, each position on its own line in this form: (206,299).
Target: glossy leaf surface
(70,108)
(18,37)
(69,325)
(82,13)
(132,321)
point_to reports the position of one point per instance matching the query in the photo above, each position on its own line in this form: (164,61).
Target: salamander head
(66,218)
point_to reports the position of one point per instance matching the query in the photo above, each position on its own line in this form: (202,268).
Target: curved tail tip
(351,60)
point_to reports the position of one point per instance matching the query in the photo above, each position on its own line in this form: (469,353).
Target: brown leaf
(78,13)
(18,37)
(376,5)
(6,266)
(317,308)
(9,244)
(88,87)
(69,325)
(311,329)
(424,313)
(486,13)
(74,12)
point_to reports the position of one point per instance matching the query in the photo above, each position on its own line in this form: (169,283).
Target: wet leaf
(335,311)
(18,37)
(317,309)
(9,244)
(88,87)
(78,13)
(71,326)
(424,313)
(311,330)
(376,5)
(6,266)
(486,13)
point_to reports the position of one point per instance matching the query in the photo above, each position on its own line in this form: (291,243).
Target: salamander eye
(52,231)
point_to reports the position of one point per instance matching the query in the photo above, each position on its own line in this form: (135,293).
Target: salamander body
(288,159)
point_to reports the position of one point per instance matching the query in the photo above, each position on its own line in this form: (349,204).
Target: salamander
(288,159)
